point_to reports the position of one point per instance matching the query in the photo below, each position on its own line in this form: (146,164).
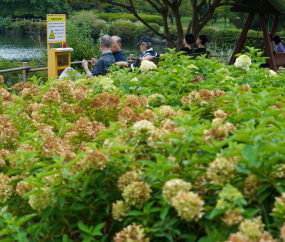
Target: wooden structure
(261,7)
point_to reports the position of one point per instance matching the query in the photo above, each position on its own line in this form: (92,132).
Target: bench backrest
(279,59)
(199,54)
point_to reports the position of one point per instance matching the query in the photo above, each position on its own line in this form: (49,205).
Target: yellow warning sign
(52,19)
(56,28)
(51,36)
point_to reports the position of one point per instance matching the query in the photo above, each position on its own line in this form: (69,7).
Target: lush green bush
(126,30)
(209,32)
(79,38)
(39,28)
(5,23)
(114,16)
(97,25)
(180,153)
(21,27)
(145,31)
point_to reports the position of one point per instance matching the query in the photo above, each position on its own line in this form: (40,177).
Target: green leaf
(249,153)
(83,227)
(136,213)
(164,212)
(46,213)
(24,219)
(65,238)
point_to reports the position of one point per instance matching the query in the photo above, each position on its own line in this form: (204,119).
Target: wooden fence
(23,19)
(26,68)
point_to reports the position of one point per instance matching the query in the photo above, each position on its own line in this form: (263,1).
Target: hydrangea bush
(191,150)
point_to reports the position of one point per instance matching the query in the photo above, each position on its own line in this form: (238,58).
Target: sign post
(58,58)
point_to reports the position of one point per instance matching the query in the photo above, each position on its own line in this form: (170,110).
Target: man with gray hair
(107,59)
(147,51)
(104,62)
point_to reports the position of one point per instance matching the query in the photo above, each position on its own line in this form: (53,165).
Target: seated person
(106,60)
(118,54)
(279,46)
(147,51)
(201,41)
(189,39)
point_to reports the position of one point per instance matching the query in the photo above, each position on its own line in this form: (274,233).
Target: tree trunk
(166,29)
(179,28)
(171,18)
(225,23)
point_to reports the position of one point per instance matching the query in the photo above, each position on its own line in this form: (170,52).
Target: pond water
(25,47)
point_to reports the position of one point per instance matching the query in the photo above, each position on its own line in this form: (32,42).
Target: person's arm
(148,57)
(122,63)
(85,66)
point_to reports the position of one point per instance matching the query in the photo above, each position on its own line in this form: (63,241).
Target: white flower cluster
(172,187)
(244,62)
(189,206)
(147,65)
(143,127)
(41,201)
(107,84)
(153,98)
(120,209)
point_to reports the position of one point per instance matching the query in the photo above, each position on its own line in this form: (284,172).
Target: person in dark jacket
(147,51)
(118,54)
(201,41)
(106,60)
(189,39)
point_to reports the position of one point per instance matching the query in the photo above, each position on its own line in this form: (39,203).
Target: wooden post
(242,37)
(25,72)
(274,27)
(32,20)
(266,39)
(40,20)
(132,56)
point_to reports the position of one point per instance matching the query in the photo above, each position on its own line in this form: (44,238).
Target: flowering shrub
(195,154)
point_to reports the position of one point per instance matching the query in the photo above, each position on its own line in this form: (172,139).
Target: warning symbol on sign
(51,36)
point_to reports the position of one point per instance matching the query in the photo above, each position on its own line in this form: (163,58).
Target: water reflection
(20,47)
(25,47)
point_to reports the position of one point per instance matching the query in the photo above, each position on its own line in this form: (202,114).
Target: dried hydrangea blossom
(143,101)
(158,135)
(50,97)
(251,185)
(232,217)
(119,210)
(186,101)
(245,88)
(142,128)
(137,194)
(129,177)
(279,172)
(220,114)
(221,170)
(147,65)
(1,79)
(206,95)
(107,84)
(166,111)
(65,89)
(132,101)
(96,160)
(266,237)
(253,228)
(53,146)
(96,103)
(41,201)
(79,95)
(18,86)
(149,115)
(113,103)
(132,233)
(219,133)
(195,98)
(23,187)
(244,62)
(172,187)
(239,237)
(153,98)
(280,201)
(66,109)
(6,190)
(218,93)
(8,133)
(197,79)
(31,91)
(78,110)
(4,94)
(189,206)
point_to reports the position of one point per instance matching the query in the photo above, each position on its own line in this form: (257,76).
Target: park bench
(155,60)
(279,59)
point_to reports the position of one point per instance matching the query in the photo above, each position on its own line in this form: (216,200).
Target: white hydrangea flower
(244,62)
(147,65)
(143,127)
(191,66)
(134,80)
(272,73)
